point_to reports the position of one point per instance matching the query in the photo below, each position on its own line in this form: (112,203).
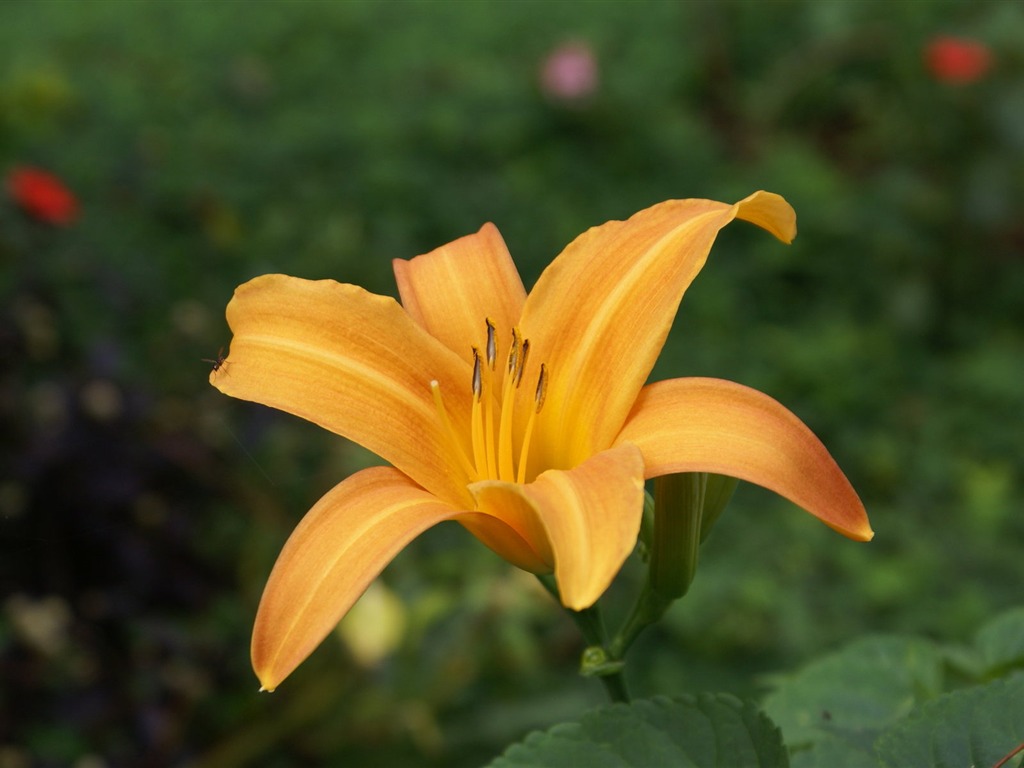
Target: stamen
(513,353)
(453,439)
(492,459)
(493,452)
(478,386)
(492,347)
(492,356)
(477,426)
(542,387)
(522,361)
(505,467)
(541,392)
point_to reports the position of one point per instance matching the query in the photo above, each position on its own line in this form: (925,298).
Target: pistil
(453,439)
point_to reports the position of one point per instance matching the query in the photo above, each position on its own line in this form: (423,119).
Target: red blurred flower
(42,195)
(957,60)
(569,72)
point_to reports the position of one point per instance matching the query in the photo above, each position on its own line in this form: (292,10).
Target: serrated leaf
(835,750)
(1000,643)
(855,692)
(972,727)
(704,731)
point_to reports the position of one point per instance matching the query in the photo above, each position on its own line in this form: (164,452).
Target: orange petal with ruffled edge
(354,363)
(711,425)
(590,515)
(599,314)
(452,290)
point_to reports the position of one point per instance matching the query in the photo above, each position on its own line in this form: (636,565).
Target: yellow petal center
(492,454)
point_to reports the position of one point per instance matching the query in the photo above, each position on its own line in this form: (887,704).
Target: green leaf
(854,693)
(1000,643)
(998,649)
(835,750)
(704,731)
(972,727)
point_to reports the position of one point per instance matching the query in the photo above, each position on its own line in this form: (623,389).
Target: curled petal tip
(771,212)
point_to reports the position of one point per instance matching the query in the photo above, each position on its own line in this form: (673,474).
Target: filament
(505,468)
(541,392)
(477,426)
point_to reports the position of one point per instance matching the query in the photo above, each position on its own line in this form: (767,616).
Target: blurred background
(157,154)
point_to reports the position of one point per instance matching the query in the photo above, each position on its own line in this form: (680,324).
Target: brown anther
(478,384)
(492,350)
(522,361)
(513,353)
(542,387)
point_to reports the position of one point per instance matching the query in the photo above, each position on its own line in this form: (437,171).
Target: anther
(478,382)
(492,347)
(513,353)
(522,361)
(542,387)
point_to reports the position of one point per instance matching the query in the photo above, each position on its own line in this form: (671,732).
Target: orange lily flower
(523,417)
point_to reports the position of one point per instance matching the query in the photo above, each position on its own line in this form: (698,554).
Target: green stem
(597,661)
(648,609)
(590,621)
(676,521)
(615,686)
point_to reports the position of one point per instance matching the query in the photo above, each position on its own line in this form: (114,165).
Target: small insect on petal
(219,362)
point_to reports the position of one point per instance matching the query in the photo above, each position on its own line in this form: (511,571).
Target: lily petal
(591,516)
(451,290)
(599,314)
(514,531)
(338,548)
(711,425)
(354,363)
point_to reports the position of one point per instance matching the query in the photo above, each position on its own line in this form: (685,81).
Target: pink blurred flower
(42,195)
(957,60)
(569,72)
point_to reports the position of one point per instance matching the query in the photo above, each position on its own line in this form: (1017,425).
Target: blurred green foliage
(140,511)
